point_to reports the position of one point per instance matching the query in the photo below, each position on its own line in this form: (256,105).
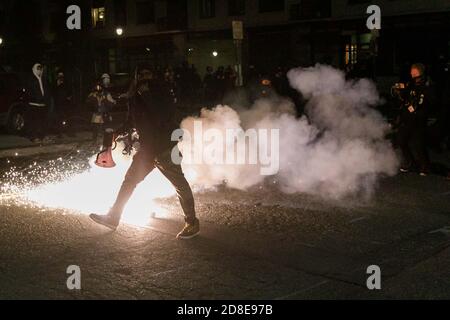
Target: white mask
(106,80)
(38,70)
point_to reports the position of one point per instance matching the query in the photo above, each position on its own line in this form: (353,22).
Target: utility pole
(374,51)
(238,37)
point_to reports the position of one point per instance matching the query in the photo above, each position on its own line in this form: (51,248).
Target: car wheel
(16,122)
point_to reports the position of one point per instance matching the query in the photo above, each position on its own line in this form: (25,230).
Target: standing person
(38,96)
(196,84)
(152,116)
(230,79)
(170,83)
(415,103)
(106,81)
(219,84)
(63,104)
(101,102)
(208,87)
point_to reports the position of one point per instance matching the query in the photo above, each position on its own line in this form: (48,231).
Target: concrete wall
(222,20)
(131,29)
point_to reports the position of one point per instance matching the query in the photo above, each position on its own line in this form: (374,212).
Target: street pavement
(257,244)
(17,146)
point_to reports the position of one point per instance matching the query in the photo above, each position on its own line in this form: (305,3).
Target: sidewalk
(15,146)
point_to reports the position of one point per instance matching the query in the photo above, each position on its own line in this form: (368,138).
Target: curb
(39,149)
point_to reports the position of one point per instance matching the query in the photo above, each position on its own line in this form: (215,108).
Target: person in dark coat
(152,113)
(38,100)
(416,99)
(209,87)
(63,104)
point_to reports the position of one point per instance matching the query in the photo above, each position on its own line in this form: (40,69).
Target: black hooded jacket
(418,95)
(153,114)
(34,93)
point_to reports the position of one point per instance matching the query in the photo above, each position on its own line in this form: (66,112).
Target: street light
(1,41)
(215,53)
(118,55)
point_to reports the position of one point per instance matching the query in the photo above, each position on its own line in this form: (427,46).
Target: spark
(86,189)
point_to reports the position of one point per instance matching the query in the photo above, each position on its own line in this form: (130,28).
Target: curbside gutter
(27,150)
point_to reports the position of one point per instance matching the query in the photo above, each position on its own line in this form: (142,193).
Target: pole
(238,45)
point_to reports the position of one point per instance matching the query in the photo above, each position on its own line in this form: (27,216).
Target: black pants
(37,121)
(143,164)
(411,139)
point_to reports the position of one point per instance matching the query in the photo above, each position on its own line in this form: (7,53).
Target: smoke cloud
(339,149)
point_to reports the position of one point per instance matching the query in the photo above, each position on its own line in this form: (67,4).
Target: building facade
(116,35)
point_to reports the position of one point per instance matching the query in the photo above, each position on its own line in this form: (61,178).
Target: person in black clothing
(152,115)
(209,87)
(38,99)
(219,84)
(63,104)
(415,100)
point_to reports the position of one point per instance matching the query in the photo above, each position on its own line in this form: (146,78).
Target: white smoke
(339,150)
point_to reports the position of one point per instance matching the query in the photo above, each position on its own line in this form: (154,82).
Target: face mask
(37,70)
(142,82)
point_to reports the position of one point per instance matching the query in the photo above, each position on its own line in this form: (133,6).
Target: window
(351,54)
(353,2)
(98,14)
(145,12)
(310,9)
(236,7)
(271,5)
(120,12)
(207,9)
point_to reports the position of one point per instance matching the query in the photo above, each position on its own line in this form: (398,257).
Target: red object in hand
(105,158)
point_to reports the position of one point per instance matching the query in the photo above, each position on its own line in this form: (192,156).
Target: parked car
(12,105)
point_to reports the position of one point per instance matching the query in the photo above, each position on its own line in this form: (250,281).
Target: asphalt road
(259,244)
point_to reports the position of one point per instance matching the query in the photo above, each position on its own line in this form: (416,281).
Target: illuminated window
(98,16)
(351,54)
